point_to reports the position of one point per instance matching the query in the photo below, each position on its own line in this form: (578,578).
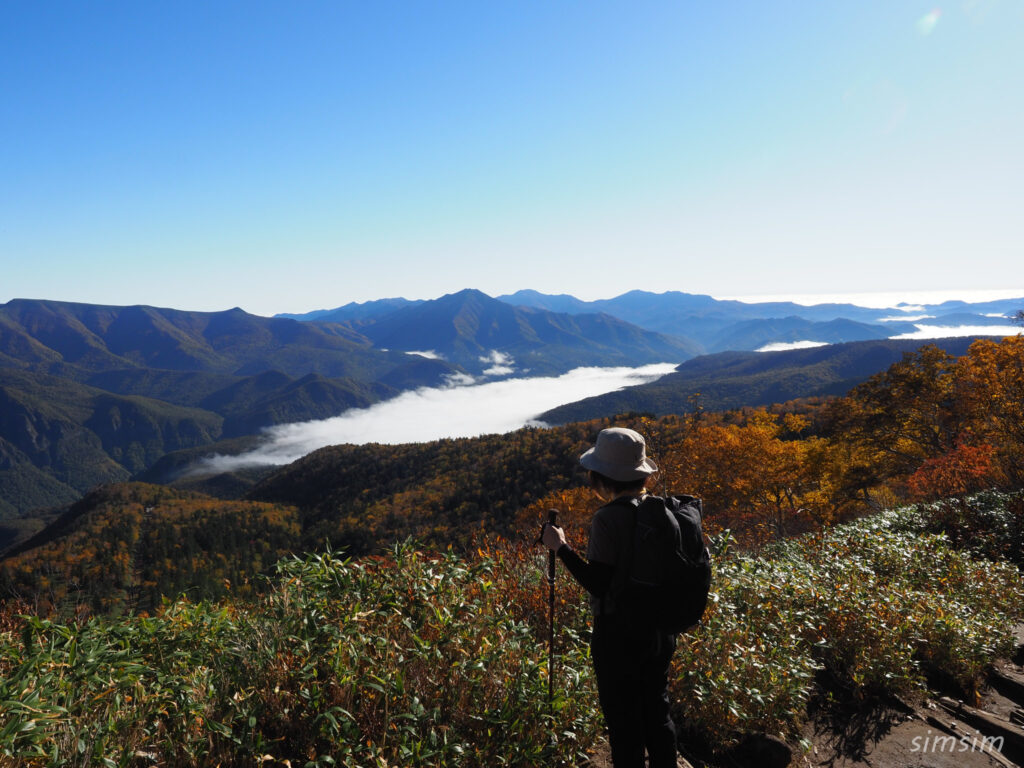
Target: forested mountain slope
(468,327)
(736,379)
(359,498)
(92,394)
(929,426)
(125,546)
(75,340)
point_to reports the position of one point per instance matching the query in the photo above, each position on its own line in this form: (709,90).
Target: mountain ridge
(726,380)
(467,327)
(97,393)
(717,324)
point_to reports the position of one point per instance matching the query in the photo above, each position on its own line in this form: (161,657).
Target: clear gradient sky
(290,156)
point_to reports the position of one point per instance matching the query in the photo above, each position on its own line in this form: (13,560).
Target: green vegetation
(419,660)
(878,606)
(409,660)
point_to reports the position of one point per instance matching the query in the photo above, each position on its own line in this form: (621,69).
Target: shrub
(407,660)
(990,524)
(876,603)
(435,660)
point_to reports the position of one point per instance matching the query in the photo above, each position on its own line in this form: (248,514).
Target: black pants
(631,664)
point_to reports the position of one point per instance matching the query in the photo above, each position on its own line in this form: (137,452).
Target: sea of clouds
(461,409)
(923,332)
(470,406)
(945,331)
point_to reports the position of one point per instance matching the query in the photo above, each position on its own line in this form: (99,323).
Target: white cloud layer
(434,413)
(904,318)
(501,364)
(781,346)
(945,331)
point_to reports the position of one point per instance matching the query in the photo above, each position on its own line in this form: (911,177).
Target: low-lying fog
(923,332)
(434,413)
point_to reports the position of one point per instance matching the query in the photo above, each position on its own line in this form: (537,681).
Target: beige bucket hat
(620,454)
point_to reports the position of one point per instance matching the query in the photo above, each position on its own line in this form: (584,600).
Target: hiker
(630,654)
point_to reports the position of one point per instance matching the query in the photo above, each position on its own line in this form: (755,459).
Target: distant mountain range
(480,334)
(92,394)
(706,324)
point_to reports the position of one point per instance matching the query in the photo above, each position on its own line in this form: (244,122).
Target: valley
(95,394)
(840,481)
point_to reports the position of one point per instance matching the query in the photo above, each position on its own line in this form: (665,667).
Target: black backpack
(666,575)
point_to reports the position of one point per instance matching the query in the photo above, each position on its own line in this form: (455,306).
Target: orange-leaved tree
(757,478)
(964,469)
(896,420)
(990,396)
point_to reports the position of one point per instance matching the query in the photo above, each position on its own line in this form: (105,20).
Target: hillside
(754,334)
(414,658)
(360,498)
(58,437)
(447,492)
(76,340)
(469,327)
(92,394)
(123,547)
(737,379)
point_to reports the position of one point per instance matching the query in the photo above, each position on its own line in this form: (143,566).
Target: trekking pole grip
(552,518)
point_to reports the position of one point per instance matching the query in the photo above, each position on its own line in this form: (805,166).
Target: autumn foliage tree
(958,472)
(936,425)
(990,393)
(899,418)
(930,426)
(758,477)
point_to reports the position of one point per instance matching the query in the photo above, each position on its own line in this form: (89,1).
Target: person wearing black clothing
(631,656)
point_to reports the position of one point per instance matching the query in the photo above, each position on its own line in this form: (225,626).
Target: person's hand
(553,537)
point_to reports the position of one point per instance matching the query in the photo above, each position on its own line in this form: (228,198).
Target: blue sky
(284,157)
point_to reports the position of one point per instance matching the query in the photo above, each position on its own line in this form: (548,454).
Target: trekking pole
(552,514)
